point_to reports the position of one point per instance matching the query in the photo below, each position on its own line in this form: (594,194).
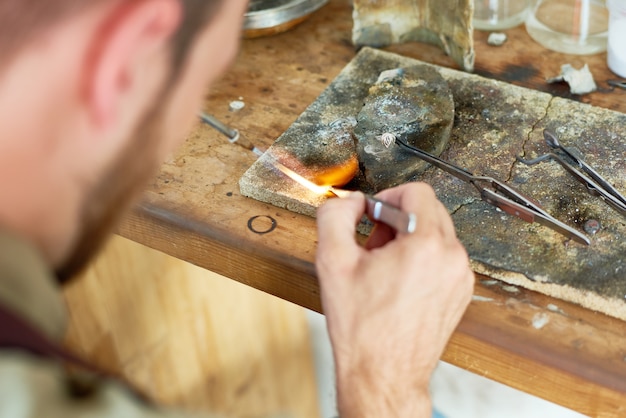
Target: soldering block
(494,122)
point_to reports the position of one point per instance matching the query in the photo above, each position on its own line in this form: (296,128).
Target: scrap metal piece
(387,139)
(592,226)
(445,23)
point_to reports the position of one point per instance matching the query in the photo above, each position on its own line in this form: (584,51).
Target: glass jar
(499,14)
(570,26)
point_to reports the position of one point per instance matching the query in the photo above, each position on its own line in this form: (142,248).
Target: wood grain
(582,351)
(190,338)
(194,211)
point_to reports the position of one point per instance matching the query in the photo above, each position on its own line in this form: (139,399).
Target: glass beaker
(499,14)
(616,55)
(570,26)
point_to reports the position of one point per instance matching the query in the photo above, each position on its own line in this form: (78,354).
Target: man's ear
(129,35)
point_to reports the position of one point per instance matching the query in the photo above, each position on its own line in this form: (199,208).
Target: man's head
(21,21)
(93,95)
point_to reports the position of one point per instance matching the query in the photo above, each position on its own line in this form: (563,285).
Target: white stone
(496,38)
(580,81)
(236,105)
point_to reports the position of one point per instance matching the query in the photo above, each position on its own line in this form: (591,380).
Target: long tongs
(596,185)
(509,200)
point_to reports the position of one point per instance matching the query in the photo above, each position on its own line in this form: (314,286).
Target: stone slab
(494,122)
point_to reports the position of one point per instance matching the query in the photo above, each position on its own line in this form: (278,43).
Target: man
(93,95)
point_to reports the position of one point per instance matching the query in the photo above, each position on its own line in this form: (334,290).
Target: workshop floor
(456,392)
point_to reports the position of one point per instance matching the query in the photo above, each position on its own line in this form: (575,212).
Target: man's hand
(392,305)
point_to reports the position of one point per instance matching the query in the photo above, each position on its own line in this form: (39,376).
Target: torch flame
(301,180)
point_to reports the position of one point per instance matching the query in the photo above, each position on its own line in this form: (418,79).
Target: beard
(119,187)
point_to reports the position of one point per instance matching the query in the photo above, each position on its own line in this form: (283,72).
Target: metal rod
(232,134)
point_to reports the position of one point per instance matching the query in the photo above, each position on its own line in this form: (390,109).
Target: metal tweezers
(596,185)
(509,200)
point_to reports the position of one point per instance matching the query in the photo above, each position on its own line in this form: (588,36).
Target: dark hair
(196,15)
(22,20)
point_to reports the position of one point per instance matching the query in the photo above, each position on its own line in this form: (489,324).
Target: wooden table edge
(493,354)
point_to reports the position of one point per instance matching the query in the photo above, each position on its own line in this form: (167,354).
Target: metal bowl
(268,17)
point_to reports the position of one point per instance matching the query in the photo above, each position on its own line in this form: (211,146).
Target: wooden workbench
(193,211)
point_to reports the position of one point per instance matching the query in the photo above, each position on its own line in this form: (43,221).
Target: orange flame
(301,180)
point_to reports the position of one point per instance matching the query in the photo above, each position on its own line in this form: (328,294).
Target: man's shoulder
(28,287)
(32,386)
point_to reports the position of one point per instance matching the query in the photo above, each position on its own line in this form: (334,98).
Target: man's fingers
(381,234)
(449,231)
(336,221)
(420,199)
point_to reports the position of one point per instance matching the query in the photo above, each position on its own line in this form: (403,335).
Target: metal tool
(509,200)
(376,209)
(233,134)
(617,83)
(596,184)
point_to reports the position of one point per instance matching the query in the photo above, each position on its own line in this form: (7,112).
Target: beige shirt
(32,386)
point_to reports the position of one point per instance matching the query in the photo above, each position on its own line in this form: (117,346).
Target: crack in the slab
(463,205)
(527,139)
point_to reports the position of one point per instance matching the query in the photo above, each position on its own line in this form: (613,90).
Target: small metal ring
(272,227)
